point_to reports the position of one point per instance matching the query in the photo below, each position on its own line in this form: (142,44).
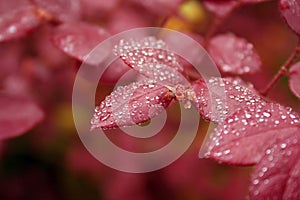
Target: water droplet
(292,116)
(248,115)
(264,169)
(227,151)
(283,145)
(255,182)
(267,114)
(230,120)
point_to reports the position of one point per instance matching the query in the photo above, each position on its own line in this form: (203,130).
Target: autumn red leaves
(251,129)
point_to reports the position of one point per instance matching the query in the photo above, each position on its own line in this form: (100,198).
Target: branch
(283,70)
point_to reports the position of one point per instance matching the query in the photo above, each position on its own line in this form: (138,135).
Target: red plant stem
(283,70)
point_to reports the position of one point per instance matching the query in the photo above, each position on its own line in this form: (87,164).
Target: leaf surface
(78,39)
(151,58)
(131,104)
(294,79)
(17,22)
(244,136)
(17,116)
(234,55)
(277,175)
(219,98)
(290,10)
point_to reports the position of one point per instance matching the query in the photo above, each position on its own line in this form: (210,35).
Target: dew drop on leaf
(266,128)
(277,173)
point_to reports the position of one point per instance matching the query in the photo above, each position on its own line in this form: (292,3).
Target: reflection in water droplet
(267,114)
(264,169)
(255,181)
(283,145)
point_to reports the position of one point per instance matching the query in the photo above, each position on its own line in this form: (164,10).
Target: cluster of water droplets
(278,169)
(151,57)
(235,55)
(131,104)
(258,118)
(221,97)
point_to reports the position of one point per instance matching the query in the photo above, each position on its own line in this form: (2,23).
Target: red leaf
(79,39)
(17,116)
(92,9)
(17,22)
(234,55)
(242,138)
(10,56)
(220,8)
(219,98)
(290,9)
(159,7)
(294,81)
(63,10)
(117,71)
(131,104)
(277,175)
(151,58)
(128,17)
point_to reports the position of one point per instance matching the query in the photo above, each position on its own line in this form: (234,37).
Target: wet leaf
(131,104)
(234,55)
(17,23)
(290,10)
(219,98)
(17,115)
(78,39)
(294,81)
(244,136)
(277,174)
(151,58)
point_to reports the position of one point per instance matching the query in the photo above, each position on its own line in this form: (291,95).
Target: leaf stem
(283,70)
